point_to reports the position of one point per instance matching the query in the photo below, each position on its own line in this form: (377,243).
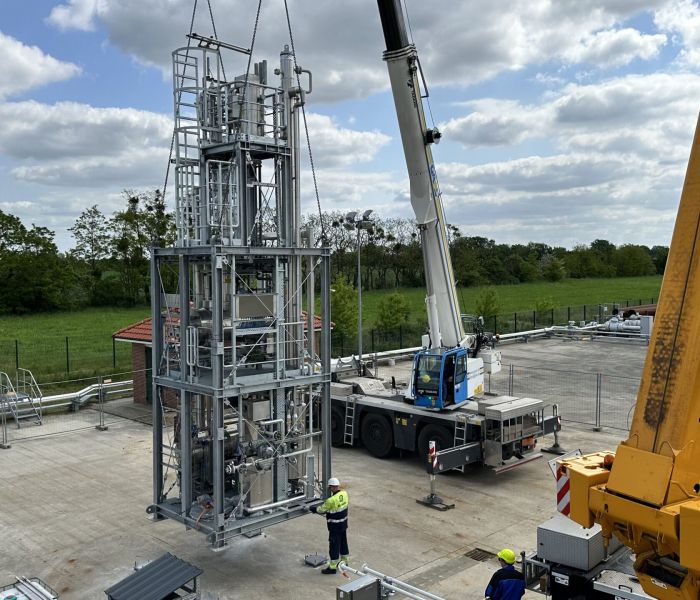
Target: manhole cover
(480,555)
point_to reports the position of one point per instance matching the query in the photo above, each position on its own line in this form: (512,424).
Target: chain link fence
(594,399)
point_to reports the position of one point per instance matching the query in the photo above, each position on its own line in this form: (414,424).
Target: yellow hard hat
(425,378)
(507,556)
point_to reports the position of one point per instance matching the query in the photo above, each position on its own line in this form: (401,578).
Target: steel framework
(241,393)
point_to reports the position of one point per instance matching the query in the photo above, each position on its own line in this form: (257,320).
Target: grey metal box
(513,409)
(256,410)
(561,540)
(366,587)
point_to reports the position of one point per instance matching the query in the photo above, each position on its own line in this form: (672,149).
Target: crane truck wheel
(377,435)
(440,435)
(337,426)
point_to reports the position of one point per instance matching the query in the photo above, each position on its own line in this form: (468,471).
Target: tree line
(108,264)
(391,256)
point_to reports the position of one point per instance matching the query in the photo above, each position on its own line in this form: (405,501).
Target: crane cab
(445,378)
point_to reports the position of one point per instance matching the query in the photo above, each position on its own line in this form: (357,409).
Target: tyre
(377,435)
(437,433)
(337,426)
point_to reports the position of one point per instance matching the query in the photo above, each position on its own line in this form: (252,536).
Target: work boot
(328,571)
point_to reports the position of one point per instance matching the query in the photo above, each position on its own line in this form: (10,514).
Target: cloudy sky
(563,120)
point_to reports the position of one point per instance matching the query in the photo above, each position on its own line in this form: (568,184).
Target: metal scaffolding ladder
(22,402)
(349,432)
(460,435)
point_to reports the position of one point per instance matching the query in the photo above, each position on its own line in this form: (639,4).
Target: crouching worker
(335,508)
(506,583)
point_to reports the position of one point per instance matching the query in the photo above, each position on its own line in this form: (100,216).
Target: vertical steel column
(185,440)
(157,349)
(326,366)
(217,421)
(185,453)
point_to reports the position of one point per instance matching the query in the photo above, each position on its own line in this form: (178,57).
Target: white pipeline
(390,583)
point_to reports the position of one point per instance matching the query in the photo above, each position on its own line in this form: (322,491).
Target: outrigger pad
(435,502)
(315,560)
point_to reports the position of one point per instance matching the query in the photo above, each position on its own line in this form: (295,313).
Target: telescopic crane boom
(441,376)
(648,493)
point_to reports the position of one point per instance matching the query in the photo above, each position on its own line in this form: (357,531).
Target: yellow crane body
(647,493)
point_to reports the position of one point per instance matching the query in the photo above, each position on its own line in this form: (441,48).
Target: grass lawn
(40,340)
(525,296)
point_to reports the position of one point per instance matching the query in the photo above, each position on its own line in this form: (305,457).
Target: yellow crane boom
(647,493)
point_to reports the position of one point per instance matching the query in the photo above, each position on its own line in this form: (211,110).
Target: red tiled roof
(138,332)
(143,330)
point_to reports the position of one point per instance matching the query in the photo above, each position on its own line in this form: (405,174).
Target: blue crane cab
(442,379)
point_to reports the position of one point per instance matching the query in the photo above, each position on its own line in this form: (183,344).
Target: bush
(488,303)
(344,307)
(393,311)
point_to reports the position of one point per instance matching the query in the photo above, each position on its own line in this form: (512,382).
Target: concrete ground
(72,512)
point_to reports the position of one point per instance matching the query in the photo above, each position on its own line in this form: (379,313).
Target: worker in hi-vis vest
(335,508)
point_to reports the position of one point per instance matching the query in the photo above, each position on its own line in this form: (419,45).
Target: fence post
(16,354)
(5,442)
(400,337)
(568,314)
(584,312)
(510,379)
(114,353)
(598,397)
(495,324)
(67,357)
(373,350)
(515,322)
(534,319)
(551,320)
(101,399)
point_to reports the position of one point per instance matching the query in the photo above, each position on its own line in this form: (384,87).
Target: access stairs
(23,401)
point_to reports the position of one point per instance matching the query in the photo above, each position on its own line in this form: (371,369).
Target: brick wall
(138,361)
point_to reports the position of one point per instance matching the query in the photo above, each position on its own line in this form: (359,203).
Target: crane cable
(427,96)
(322,239)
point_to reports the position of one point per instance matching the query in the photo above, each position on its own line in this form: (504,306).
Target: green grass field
(39,341)
(524,297)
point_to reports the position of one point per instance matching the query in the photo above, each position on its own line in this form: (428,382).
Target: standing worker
(506,583)
(335,508)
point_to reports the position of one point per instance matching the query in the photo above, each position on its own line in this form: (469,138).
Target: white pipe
(253,509)
(390,583)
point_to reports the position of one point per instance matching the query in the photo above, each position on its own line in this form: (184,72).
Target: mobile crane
(647,493)
(439,403)
(440,377)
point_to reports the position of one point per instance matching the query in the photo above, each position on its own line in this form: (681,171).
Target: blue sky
(563,120)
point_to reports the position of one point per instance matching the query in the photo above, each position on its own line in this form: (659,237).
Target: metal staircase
(22,401)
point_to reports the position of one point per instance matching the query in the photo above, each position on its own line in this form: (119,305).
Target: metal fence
(96,402)
(594,399)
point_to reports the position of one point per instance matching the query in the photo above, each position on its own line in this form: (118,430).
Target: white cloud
(71,144)
(44,132)
(342,45)
(334,145)
(614,48)
(77,14)
(682,19)
(639,114)
(26,67)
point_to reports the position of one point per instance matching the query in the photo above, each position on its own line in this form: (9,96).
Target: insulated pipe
(254,509)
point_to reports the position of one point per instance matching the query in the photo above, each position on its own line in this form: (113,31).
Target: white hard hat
(333,481)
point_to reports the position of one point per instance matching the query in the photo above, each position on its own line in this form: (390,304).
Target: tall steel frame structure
(241,397)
